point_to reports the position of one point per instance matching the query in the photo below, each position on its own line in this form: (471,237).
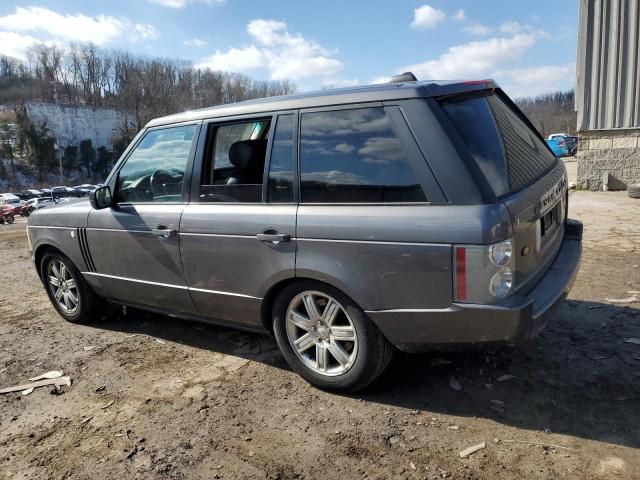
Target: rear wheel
(327,339)
(68,291)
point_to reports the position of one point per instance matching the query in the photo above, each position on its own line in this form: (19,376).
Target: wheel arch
(40,252)
(272,293)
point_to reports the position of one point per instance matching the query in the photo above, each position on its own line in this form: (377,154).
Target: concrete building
(608,94)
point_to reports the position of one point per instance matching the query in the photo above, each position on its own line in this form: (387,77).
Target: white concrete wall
(69,125)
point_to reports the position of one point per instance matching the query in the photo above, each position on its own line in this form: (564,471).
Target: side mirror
(101,197)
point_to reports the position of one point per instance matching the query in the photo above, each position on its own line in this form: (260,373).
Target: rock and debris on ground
(196,399)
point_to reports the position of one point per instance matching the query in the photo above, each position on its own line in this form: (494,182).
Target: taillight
(483,273)
(461,273)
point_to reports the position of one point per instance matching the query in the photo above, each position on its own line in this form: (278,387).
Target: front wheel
(327,339)
(68,291)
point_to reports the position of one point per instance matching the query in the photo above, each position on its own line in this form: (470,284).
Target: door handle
(273,238)
(164,231)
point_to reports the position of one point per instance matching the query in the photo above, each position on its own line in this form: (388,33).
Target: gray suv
(348,223)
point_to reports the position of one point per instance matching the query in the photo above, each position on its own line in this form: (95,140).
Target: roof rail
(403,77)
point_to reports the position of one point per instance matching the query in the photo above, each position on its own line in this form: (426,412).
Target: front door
(135,245)
(238,232)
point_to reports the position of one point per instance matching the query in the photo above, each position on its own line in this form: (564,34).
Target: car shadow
(578,378)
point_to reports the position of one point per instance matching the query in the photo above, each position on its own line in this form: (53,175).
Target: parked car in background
(558,147)
(6,213)
(35,204)
(348,223)
(16,208)
(62,191)
(30,193)
(6,198)
(84,189)
(563,144)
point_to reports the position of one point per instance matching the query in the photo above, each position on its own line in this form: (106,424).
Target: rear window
(510,156)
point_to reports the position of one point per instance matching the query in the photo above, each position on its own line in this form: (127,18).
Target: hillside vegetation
(551,113)
(85,75)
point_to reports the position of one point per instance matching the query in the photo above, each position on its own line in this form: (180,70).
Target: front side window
(154,172)
(235,163)
(354,156)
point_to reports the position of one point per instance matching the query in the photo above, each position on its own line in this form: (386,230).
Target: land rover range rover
(348,223)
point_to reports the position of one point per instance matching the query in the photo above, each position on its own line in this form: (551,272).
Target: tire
(368,355)
(10,219)
(89,307)
(634,190)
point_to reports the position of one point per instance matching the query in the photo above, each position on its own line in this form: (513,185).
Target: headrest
(243,153)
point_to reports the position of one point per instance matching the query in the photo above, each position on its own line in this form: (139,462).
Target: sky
(529,47)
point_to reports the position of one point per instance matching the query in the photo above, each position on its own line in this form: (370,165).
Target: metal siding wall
(608,66)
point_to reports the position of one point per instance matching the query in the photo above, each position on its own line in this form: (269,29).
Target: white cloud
(15,45)
(531,81)
(511,27)
(236,59)
(478,29)
(79,27)
(144,30)
(282,54)
(194,42)
(184,3)
(459,15)
(473,59)
(47,26)
(427,17)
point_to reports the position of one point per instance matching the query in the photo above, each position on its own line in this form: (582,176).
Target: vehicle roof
(339,96)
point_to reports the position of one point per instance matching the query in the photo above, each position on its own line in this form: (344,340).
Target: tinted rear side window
(509,153)
(354,156)
(474,121)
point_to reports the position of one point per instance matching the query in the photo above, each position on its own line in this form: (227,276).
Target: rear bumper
(521,317)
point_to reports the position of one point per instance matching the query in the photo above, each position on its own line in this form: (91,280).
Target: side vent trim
(84,249)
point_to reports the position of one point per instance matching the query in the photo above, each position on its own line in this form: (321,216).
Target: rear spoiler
(446,89)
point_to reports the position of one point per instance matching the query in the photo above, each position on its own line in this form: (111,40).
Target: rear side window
(474,122)
(509,153)
(280,184)
(235,163)
(354,156)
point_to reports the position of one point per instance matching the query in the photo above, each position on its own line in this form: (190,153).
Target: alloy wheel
(321,333)
(63,287)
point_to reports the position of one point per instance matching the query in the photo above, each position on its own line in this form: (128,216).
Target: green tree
(36,143)
(87,157)
(69,158)
(103,163)
(6,150)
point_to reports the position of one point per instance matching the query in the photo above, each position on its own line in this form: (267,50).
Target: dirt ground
(155,397)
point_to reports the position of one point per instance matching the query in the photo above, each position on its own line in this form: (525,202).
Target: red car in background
(7,214)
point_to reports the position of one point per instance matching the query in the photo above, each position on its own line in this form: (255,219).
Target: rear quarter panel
(392,256)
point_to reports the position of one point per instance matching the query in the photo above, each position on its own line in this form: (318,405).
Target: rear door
(133,248)
(365,219)
(238,232)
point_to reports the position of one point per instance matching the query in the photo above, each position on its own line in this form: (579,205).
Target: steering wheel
(156,180)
